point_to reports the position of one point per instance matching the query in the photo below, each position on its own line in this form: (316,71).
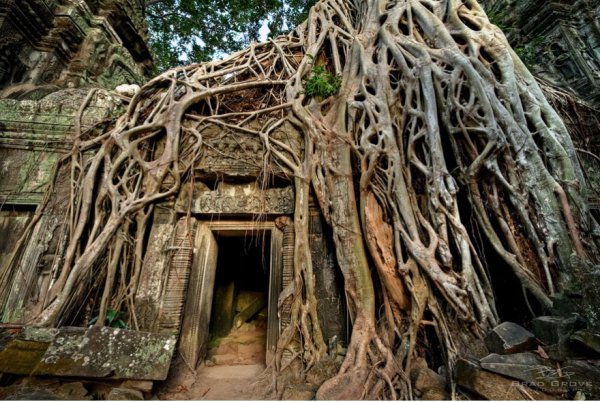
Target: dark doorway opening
(513,302)
(239,320)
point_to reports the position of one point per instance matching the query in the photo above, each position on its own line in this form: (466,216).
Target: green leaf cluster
(322,83)
(114,319)
(190,31)
(496,17)
(529,53)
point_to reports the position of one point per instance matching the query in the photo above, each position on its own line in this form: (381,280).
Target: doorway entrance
(234,285)
(239,317)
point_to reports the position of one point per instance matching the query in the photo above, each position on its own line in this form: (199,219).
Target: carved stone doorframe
(196,320)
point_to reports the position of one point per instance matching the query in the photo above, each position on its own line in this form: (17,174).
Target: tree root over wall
(439,136)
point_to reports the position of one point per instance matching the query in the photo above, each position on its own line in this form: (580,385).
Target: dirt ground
(232,369)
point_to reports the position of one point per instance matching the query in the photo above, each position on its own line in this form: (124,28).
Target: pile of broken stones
(558,359)
(53,388)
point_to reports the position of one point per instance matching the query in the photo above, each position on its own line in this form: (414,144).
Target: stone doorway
(229,253)
(239,317)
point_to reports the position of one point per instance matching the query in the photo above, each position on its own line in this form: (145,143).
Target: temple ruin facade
(228,234)
(558,40)
(236,210)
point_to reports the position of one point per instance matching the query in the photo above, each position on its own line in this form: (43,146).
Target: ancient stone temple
(48,49)
(51,44)
(51,53)
(202,275)
(558,40)
(218,254)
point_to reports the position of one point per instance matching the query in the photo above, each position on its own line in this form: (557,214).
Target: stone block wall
(558,40)
(35,134)
(50,44)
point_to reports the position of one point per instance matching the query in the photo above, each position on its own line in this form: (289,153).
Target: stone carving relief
(103,62)
(237,199)
(72,44)
(242,154)
(565,37)
(34,134)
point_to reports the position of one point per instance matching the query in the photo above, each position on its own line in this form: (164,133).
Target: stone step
(233,371)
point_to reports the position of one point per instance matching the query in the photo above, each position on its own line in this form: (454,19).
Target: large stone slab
(472,377)
(528,368)
(21,348)
(509,337)
(21,357)
(587,339)
(39,334)
(103,352)
(581,375)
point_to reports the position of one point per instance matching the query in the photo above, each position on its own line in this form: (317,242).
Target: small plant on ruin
(322,83)
(114,319)
(529,52)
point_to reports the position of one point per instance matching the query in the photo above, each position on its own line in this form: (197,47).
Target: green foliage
(214,342)
(114,319)
(496,17)
(322,83)
(497,14)
(592,171)
(189,31)
(529,53)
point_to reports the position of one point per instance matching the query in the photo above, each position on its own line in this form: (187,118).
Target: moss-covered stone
(103,352)
(21,357)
